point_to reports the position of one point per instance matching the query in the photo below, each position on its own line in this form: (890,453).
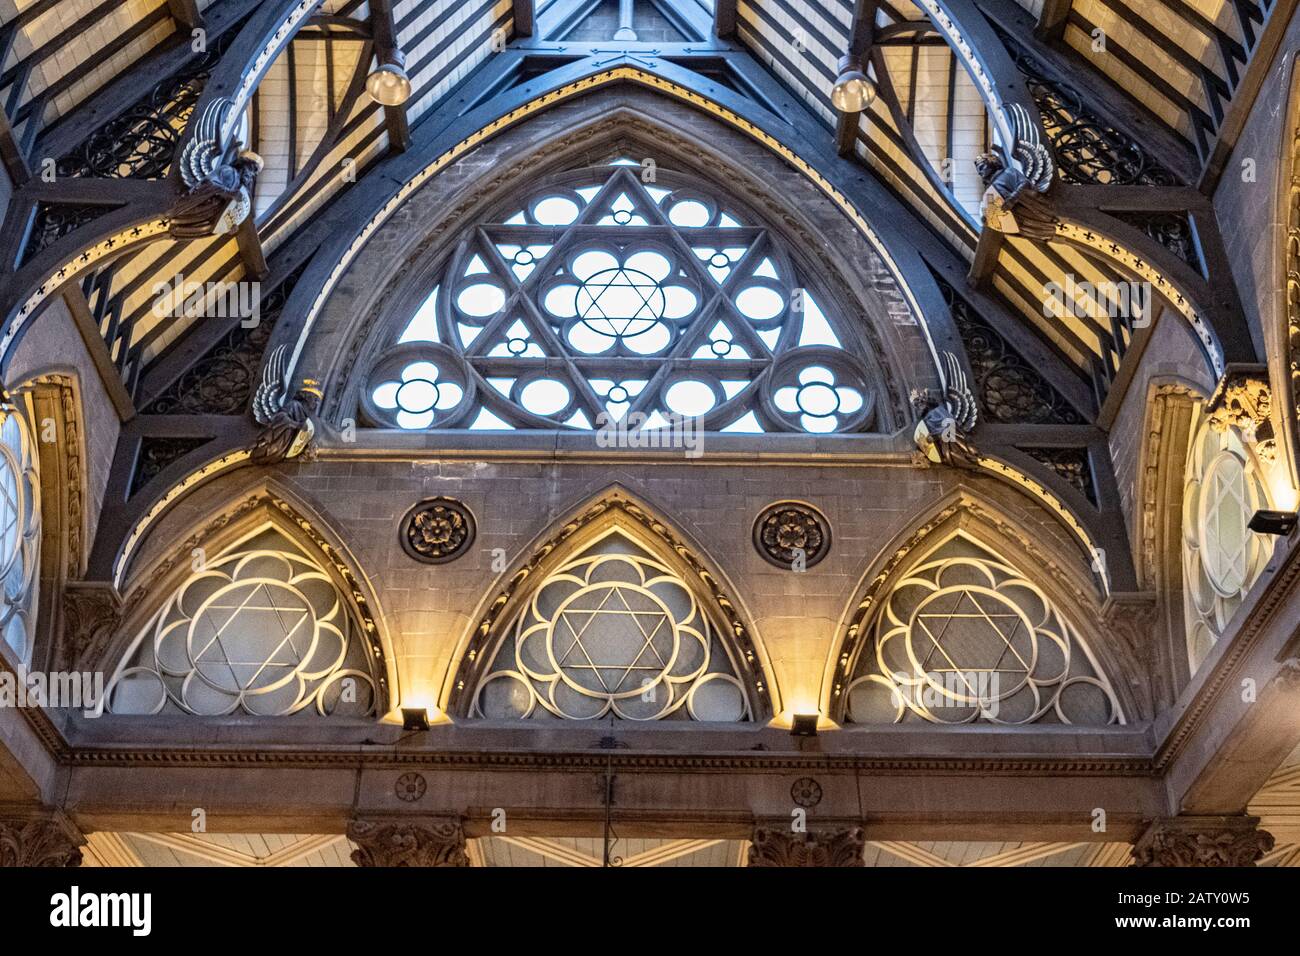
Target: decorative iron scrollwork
(790,534)
(54,221)
(157,453)
(1173,230)
(1071,464)
(1088,149)
(222,382)
(1011,391)
(437,530)
(140,142)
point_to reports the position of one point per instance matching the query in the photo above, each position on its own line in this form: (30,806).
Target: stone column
(821,848)
(419,842)
(39,841)
(1202,841)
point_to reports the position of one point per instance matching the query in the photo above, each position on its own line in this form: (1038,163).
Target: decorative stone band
(1203,841)
(38,842)
(1137,265)
(822,848)
(577,88)
(403,843)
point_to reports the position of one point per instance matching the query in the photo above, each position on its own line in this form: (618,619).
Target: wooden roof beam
(1246,93)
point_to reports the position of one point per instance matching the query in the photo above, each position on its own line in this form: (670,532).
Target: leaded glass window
(613,632)
(1222,557)
(20,533)
(261,630)
(965,637)
(602,300)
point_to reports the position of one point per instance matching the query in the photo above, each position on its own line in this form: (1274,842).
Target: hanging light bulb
(388,84)
(853,91)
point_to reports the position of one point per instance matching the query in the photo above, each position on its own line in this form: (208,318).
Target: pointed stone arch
(334,596)
(53,403)
(1171,408)
(408,241)
(1063,587)
(576,549)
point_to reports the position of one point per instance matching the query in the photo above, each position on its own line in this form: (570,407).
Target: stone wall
(1250,214)
(429,611)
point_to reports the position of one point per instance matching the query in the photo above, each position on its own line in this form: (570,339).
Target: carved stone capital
(1132,617)
(829,848)
(408,843)
(91,614)
(1244,400)
(38,842)
(1203,841)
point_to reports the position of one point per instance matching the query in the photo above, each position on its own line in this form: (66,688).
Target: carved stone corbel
(1202,842)
(1134,619)
(408,843)
(92,612)
(1244,400)
(828,848)
(41,841)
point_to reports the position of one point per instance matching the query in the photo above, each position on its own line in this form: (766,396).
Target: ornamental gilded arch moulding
(387,284)
(1288,266)
(53,400)
(643,539)
(248,513)
(1166,436)
(1063,590)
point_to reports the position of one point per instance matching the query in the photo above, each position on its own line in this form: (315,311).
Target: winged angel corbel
(942,434)
(218,174)
(1014,191)
(286,419)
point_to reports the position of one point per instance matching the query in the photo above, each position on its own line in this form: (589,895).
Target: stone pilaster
(39,841)
(1202,841)
(824,848)
(408,843)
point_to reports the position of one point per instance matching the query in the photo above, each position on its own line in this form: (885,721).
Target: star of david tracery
(967,638)
(234,611)
(598,299)
(1222,557)
(649,623)
(612,634)
(262,631)
(1002,624)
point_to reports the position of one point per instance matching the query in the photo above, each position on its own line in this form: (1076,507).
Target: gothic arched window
(963,637)
(260,630)
(623,296)
(1222,557)
(20,533)
(612,632)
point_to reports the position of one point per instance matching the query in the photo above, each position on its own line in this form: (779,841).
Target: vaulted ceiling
(1159,82)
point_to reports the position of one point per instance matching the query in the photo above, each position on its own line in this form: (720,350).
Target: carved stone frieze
(830,848)
(38,842)
(403,843)
(92,613)
(1244,400)
(1202,842)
